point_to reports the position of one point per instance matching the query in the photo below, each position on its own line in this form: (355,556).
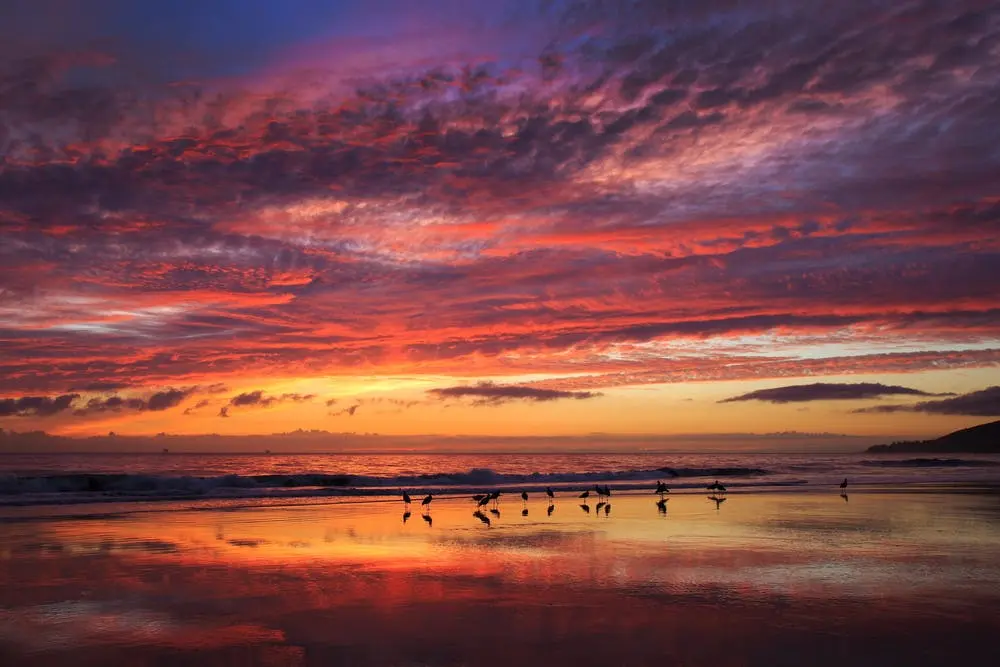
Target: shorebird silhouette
(406,498)
(607,491)
(484,501)
(600,491)
(524,497)
(426,502)
(549,493)
(406,516)
(585,495)
(495,497)
(585,507)
(661,488)
(843,485)
(428,519)
(480,496)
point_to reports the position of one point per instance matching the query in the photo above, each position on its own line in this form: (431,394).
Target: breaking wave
(71,488)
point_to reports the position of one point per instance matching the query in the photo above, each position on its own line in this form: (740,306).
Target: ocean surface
(43,479)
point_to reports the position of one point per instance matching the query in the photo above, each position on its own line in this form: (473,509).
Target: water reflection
(796,575)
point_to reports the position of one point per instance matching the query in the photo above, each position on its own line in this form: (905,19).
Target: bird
(480,496)
(495,497)
(585,495)
(661,488)
(406,498)
(428,519)
(607,491)
(524,496)
(549,493)
(427,501)
(406,516)
(600,491)
(484,501)
(843,485)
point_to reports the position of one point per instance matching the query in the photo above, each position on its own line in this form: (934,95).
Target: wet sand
(762,579)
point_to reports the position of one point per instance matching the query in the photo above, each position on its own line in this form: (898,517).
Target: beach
(765,577)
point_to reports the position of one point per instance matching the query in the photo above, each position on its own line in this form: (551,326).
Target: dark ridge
(982,439)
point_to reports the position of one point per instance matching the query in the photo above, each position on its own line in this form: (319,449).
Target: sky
(506,218)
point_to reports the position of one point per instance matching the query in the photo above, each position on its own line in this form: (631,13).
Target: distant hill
(982,439)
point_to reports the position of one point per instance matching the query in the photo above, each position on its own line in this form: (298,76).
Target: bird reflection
(482,517)
(552,508)
(428,519)
(607,508)
(718,500)
(585,507)
(524,512)
(844,496)
(406,516)
(661,505)
(600,506)
(495,512)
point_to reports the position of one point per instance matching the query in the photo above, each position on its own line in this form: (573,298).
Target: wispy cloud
(824,391)
(487,393)
(982,403)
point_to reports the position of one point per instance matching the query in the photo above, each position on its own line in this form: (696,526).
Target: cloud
(36,406)
(505,196)
(156,402)
(259,399)
(487,393)
(349,411)
(982,403)
(823,391)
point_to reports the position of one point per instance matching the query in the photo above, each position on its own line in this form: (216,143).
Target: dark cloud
(823,391)
(982,403)
(155,402)
(487,393)
(36,406)
(349,411)
(259,399)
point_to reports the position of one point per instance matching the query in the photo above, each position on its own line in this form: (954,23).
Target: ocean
(42,479)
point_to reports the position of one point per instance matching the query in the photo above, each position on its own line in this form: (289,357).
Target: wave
(931,463)
(82,487)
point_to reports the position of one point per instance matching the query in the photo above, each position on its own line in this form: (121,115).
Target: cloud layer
(609,196)
(983,403)
(487,393)
(824,391)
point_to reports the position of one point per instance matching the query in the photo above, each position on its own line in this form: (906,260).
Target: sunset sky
(499,218)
